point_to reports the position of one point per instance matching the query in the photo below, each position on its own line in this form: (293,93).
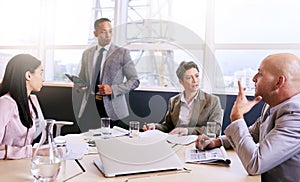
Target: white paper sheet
(182,140)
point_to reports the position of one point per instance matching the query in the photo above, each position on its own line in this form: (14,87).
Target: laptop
(123,156)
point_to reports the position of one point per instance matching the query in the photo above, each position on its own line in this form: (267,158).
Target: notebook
(124,156)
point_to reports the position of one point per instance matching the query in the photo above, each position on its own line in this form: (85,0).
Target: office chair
(59,124)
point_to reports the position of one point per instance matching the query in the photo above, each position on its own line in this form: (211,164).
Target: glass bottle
(46,160)
(62,148)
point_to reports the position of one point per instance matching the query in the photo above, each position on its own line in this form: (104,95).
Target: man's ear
(27,75)
(280,81)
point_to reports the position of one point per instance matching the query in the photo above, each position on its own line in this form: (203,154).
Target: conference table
(85,170)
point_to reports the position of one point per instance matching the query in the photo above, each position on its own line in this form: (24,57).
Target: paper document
(118,131)
(115,131)
(153,133)
(73,138)
(212,156)
(76,150)
(182,140)
(76,145)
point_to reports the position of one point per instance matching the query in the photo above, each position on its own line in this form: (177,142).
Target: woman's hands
(179,131)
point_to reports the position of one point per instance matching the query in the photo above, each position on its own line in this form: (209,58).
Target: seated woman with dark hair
(23,75)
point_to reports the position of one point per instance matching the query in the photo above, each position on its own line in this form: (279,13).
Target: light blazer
(118,65)
(15,138)
(207,108)
(271,146)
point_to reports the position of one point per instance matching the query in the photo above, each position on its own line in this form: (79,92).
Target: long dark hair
(14,83)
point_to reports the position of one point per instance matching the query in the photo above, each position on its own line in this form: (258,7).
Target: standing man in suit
(103,68)
(271,146)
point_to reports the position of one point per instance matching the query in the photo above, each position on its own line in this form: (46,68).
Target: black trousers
(101,108)
(91,117)
(103,114)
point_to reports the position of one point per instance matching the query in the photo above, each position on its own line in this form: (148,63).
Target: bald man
(271,146)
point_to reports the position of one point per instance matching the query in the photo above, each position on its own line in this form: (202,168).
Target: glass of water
(134,127)
(105,126)
(211,129)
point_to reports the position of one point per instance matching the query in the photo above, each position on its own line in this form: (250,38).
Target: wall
(145,106)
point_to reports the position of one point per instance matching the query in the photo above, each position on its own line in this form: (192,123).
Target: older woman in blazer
(189,111)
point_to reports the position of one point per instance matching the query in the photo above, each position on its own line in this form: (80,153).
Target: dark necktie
(98,69)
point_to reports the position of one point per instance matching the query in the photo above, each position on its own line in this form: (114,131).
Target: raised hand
(242,105)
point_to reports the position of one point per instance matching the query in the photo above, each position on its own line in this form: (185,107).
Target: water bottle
(62,148)
(46,160)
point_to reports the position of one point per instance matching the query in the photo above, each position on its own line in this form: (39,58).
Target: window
(247,31)
(228,39)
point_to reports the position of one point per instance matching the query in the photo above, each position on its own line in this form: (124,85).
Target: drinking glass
(211,129)
(105,126)
(134,127)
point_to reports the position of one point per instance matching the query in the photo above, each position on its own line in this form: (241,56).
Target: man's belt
(98,97)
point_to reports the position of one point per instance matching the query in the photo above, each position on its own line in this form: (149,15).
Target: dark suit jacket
(118,65)
(207,108)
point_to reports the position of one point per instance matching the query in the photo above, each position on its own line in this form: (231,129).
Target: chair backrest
(38,121)
(38,124)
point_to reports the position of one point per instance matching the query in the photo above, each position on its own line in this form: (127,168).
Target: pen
(73,176)
(202,141)
(97,134)
(81,167)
